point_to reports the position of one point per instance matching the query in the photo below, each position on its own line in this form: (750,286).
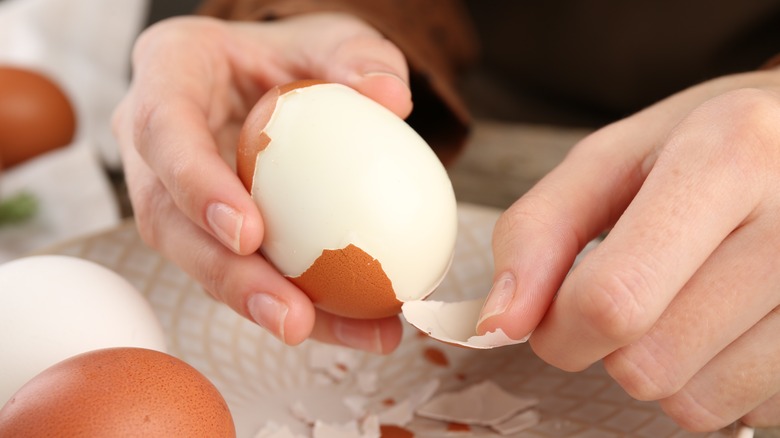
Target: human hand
(195,80)
(680,300)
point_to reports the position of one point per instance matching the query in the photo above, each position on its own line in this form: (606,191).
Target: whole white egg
(54,307)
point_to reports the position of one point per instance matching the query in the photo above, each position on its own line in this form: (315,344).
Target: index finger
(181,98)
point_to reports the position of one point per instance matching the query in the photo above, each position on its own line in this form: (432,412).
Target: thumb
(536,241)
(386,88)
(341,48)
(532,250)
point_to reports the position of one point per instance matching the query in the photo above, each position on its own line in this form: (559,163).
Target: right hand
(195,80)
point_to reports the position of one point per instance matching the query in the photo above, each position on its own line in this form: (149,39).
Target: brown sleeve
(436,36)
(773,62)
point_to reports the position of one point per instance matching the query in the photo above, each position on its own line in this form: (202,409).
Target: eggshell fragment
(368,428)
(326,406)
(454,323)
(274,430)
(358,210)
(401,413)
(484,404)
(518,423)
(118,392)
(367,382)
(334,361)
(329,430)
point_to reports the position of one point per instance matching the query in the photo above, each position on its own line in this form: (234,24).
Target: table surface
(502,161)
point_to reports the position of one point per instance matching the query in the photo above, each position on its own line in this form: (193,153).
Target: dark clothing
(572,62)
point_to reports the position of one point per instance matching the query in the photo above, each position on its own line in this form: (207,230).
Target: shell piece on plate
(518,423)
(274,430)
(402,412)
(483,404)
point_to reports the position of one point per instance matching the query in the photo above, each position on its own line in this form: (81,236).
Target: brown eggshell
(253,139)
(35,115)
(118,392)
(349,282)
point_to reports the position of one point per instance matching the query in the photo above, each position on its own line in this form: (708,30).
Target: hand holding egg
(188,202)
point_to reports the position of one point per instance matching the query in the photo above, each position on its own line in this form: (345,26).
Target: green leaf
(18,208)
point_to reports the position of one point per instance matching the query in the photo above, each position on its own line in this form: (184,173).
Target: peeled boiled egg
(35,115)
(53,307)
(358,210)
(118,392)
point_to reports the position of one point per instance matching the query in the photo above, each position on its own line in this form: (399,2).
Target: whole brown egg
(35,115)
(123,391)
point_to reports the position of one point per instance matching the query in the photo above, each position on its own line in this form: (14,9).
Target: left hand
(681,298)
(195,80)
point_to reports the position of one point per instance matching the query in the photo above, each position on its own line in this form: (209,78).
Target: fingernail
(357,335)
(500,296)
(384,74)
(269,313)
(226,224)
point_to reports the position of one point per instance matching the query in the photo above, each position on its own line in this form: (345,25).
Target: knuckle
(761,417)
(175,30)
(146,206)
(526,216)
(211,275)
(752,115)
(184,176)
(644,374)
(691,414)
(507,225)
(142,121)
(613,301)
(742,130)
(530,211)
(152,207)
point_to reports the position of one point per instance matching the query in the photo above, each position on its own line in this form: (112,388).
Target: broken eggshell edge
(456,322)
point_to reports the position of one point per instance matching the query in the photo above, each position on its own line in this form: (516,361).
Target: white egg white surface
(341,169)
(53,307)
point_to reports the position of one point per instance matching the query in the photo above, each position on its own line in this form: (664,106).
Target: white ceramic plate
(262,379)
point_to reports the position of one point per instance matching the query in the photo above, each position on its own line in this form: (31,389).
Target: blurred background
(72,187)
